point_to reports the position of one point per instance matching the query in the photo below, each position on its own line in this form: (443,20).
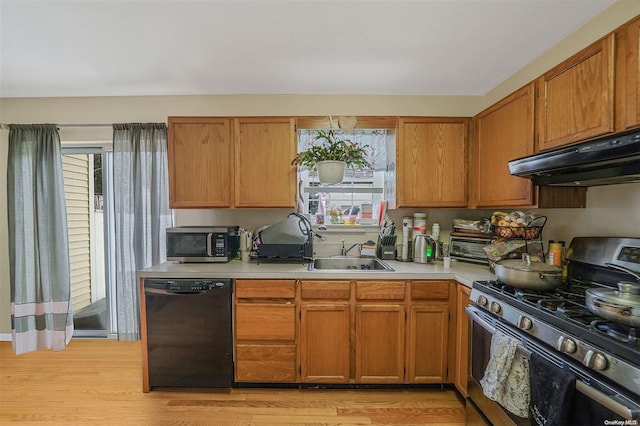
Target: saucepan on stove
(621,305)
(528,274)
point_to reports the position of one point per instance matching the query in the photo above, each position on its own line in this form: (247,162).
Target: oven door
(479,353)
(602,400)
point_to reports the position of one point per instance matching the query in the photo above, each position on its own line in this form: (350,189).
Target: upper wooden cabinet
(504,131)
(231,162)
(575,99)
(432,162)
(200,162)
(628,75)
(264,149)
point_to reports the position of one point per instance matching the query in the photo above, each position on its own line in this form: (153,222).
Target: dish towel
(552,390)
(506,378)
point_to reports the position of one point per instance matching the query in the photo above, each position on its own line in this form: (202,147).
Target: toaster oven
(469,248)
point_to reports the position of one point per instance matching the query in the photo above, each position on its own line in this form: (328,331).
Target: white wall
(618,202)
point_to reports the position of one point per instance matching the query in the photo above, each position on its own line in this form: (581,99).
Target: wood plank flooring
(99,382)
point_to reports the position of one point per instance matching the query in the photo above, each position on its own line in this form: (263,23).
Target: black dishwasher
(189,338)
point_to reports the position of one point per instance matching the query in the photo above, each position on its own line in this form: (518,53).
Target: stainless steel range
(557,324)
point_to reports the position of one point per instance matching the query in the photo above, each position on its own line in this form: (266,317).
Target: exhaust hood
(605,161)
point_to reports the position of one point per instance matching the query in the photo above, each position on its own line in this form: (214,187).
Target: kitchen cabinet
(325,332)
(380,331)
(461,372)
(264,149)
(503,132)
(200,159)
(628,75)
(428,332)
(231,162)
(575,99)
(265,331)
(432,162)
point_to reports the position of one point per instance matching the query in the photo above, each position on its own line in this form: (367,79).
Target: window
(360,189)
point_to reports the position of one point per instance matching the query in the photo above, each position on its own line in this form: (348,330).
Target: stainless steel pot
(524,273)
(622,305)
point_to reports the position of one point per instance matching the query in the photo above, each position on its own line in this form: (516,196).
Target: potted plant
(331,156)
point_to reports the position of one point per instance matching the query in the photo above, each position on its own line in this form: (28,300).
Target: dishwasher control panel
(186,285)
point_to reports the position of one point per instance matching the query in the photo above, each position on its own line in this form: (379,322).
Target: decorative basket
(532,231)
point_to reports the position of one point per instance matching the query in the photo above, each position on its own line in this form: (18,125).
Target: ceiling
(124,48)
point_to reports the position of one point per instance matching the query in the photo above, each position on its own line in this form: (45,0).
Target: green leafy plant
(333,147)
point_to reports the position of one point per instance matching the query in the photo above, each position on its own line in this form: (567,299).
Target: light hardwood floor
(99,382)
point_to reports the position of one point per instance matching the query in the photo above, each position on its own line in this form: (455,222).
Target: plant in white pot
(331,155)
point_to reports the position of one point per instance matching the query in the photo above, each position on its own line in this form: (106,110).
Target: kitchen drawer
(325,290)
(265,289)
(266,363)
(265,322)
(380,290)
(421,290)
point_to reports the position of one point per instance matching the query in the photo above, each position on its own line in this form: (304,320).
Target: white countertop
(462,272)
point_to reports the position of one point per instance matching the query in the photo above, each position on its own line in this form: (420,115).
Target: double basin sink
(349,264)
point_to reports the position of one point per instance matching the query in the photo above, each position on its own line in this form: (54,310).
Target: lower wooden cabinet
(379,331)
(265,331)
(324,342)
(428,332)
(341,331)
(462,339)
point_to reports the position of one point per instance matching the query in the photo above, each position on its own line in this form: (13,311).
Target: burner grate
(620,332)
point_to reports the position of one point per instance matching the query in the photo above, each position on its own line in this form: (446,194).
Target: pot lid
(627,293)
(528,266)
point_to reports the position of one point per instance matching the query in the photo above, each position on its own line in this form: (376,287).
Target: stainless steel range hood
(605,161)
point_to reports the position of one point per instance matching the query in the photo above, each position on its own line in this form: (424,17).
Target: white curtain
(41,314)
(141,204)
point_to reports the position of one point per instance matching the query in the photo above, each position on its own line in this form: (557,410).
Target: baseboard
(5,337)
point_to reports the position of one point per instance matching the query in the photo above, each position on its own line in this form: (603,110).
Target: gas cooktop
(565,309)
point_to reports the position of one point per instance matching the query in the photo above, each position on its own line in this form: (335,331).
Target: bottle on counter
(555,254)
(435,231)
(419,223)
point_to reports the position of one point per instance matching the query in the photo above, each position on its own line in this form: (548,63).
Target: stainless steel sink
(349,264)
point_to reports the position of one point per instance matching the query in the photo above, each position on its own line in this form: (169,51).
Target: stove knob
(524,323)
(482,301)
(595,360)
(495,307)
(566,345)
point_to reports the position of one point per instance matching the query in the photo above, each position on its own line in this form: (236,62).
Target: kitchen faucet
(344,251)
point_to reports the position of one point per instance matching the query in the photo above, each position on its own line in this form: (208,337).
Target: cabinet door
(462,339)
(380,343)
(575,98)
(504,132)
(432,162)
(324,342)
(200,162)
(264,149)
(428,340)
(630,71)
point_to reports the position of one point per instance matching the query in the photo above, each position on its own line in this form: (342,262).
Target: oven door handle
(471,311)
(604,400)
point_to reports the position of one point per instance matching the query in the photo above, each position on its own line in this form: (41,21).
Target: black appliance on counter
(611,159)
(188,333)
(288,240)
(202,244)
(557,325)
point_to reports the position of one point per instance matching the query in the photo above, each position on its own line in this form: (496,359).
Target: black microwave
(203,243)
